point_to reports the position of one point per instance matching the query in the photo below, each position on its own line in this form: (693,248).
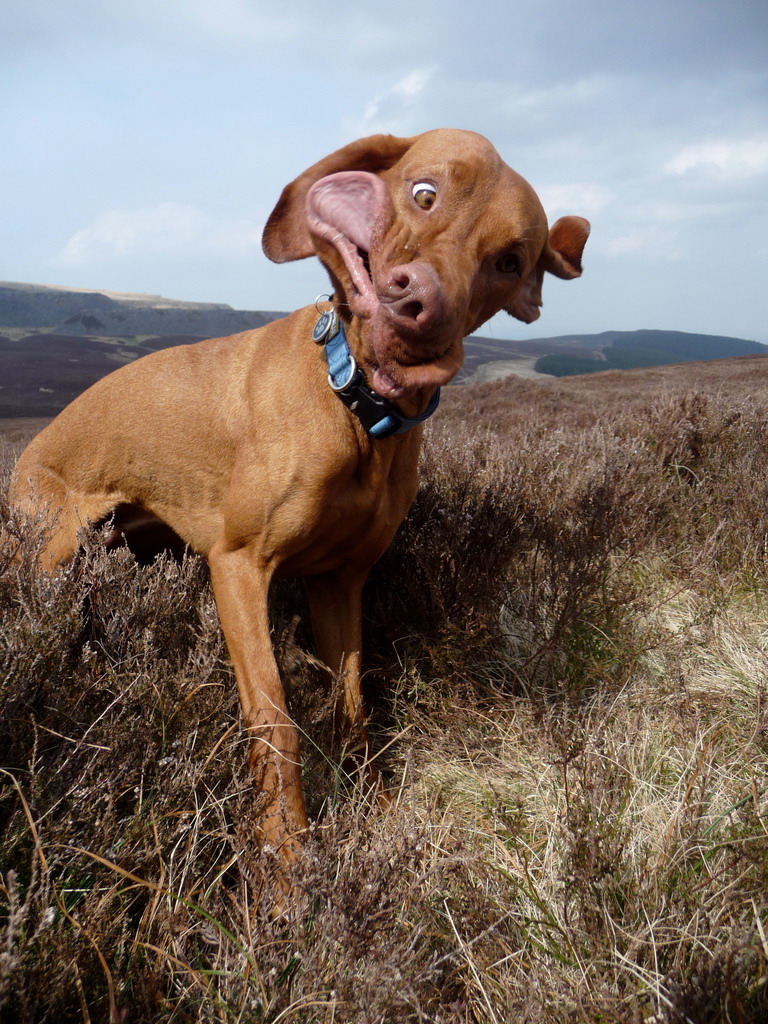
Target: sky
(143,143)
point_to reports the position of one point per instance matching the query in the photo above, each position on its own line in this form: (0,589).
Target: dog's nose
(413,297)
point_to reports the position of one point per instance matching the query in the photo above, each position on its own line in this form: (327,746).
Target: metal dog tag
(325,327)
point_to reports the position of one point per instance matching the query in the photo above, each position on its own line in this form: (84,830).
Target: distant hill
(625,350)
(71,311)
(56,342)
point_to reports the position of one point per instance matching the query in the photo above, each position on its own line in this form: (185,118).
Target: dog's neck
(379,417)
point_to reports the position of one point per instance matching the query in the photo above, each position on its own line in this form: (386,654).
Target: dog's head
(425,239)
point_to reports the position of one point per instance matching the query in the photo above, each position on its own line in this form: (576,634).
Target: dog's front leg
(336,615)
(240,583)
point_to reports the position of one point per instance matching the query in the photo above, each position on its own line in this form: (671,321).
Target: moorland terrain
(56,342)
(567,674)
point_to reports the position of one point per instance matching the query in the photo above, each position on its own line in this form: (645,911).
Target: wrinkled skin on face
(424,239)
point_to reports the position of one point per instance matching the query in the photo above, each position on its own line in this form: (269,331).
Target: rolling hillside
(56,342)
(626,350)
(71,311)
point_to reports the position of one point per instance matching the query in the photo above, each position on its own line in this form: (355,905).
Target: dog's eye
(424,194)
(508,263)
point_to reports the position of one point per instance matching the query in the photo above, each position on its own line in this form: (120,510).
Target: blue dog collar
(379,417)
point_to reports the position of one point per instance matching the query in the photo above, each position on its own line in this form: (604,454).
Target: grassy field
(566,671)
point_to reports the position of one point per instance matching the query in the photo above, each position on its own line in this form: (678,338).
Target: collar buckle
(379,417)
(341,386)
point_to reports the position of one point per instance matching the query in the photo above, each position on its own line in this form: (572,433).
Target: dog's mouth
(408,343)
(363,297)
(396,378)
(344,209)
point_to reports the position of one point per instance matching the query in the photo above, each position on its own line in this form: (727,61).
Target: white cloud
(233,21)
(153,25)
(651,241)
(585,199)
(172,229)
(386,111)
(723,159)
(412,84)
(584,92)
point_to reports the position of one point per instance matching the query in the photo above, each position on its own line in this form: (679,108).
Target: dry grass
(567,676)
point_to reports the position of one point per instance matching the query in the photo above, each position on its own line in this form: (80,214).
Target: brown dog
(239,447)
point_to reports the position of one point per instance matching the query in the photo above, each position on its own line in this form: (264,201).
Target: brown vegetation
(567,671)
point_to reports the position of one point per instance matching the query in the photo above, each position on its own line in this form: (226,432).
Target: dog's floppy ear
(286,235)
(561,256)
(562,253)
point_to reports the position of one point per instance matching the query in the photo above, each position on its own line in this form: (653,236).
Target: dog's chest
(349,517)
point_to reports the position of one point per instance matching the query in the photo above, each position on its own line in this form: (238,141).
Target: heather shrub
(517,548)
(565,653)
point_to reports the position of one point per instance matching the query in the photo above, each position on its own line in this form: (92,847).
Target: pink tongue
(386,387)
